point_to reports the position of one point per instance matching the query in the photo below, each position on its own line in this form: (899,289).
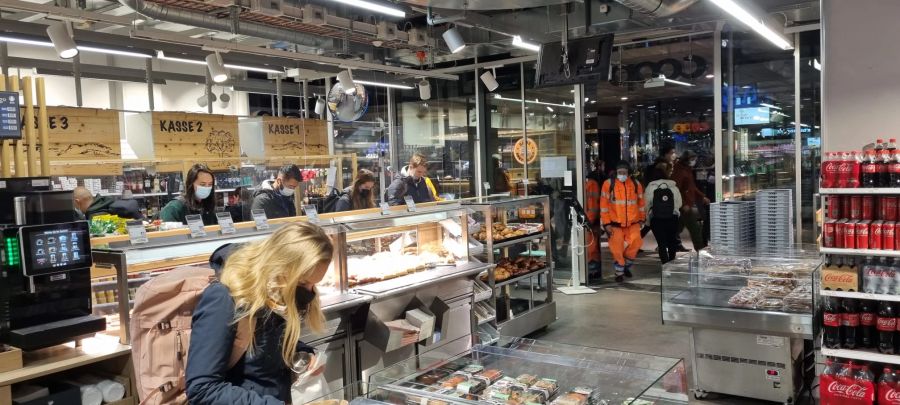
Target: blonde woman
(272,283)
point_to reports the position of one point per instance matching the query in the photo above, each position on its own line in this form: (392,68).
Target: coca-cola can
(840,233)
(889,208)
(862,234)
(850,234)
(855,207)
(868,207)
(876,234)
(834,206)
(845,206)
(828,233)
(888,235)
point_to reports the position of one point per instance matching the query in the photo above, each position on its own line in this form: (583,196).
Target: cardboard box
(840,278)
(60,393)
(10,359)
(124,401)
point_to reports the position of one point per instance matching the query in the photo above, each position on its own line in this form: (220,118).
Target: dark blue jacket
(262,379)
(403,186)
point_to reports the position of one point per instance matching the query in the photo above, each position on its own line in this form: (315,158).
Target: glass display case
(525,371)
(514,234)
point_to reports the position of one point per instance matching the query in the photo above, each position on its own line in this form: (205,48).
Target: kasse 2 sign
(175,126)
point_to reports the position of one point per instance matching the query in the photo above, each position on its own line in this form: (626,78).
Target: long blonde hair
(269,271)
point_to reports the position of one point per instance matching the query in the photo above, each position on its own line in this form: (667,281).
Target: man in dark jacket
(412,183)
(276,197)
(683,174)
(86,205)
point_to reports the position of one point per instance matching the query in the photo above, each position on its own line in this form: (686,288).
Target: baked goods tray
(567,376)
(520,239)
(520,277)
(418,280)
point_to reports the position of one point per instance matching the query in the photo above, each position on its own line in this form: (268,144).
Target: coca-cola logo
(831,166)
(847,390)
(886,324)
(832,319)
(876,230)
(838,277)
(870,169)
(867,319)
(889,231)
(891,395)
(845,168)
(863,231)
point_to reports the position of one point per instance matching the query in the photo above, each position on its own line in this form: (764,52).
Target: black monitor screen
(587,61)
(55,248)
(10,121)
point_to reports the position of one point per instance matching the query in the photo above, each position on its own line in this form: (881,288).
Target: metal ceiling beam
(275,53)
(64,12)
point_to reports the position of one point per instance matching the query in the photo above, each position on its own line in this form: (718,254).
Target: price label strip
(136,232)
(385,208)
(312,213)
(410,204)
(259,217)
(195,224)
(226,223)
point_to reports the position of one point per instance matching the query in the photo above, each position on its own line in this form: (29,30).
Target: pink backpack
(161,333)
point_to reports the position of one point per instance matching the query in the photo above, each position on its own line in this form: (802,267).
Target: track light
(518,42)
(224,99)
(216,68)
(754,22)
(454,40)
(320,106)
(490,81)
(206,99)
(424,89)
(346,80)
(368,5)
(61,36)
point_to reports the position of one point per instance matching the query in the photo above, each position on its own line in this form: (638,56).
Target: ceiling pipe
(658,8)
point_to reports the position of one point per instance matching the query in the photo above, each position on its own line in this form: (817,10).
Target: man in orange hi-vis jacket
(622,215)
(592,209)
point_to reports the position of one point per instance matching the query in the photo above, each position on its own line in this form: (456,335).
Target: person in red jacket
(622,215)
(683,174)
(592,209)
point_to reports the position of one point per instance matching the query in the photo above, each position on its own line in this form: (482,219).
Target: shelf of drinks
(864,355)
(860,252)
(859,295)
(860,191)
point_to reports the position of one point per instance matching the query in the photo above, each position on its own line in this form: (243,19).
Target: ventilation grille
(740,360)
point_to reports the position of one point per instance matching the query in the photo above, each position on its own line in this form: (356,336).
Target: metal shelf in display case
(564,371)
(860,191)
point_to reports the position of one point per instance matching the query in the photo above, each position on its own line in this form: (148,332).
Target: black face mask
(303,297)
(364,193)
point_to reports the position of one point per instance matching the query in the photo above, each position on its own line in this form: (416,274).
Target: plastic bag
(309,387)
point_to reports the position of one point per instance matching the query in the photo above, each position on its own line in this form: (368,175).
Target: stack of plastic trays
(732,225)
(774,220)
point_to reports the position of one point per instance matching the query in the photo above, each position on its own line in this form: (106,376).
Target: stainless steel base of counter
(529,322)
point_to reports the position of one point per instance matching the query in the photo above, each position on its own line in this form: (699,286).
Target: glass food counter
(750,315)
(524,371)
(514,234)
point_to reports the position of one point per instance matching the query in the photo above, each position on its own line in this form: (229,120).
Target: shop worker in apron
(198,197)
(622,215)
(276,197)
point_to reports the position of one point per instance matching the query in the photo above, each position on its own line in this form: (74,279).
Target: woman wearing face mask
(199,197)
(359,196)
(683,174)
(274,288)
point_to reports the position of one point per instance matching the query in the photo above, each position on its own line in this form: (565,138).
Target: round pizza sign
(525,150)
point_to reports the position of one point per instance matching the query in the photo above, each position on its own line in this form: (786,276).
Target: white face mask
(202,192)
(287,192)
(693,162)
(621,177)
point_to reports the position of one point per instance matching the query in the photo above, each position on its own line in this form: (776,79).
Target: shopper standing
(622,215)
(274,288)
(663,203)
(501,182)
(683,174)
(359,196)
(592,186)
(198,198)
(666,155)
(276,197)
(411,181)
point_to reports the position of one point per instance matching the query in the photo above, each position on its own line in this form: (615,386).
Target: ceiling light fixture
(518,42)
(624,98)
(114,52)
(346,80)
(667,80)
(163,56)
(454,40)
(770,106)
(388,85)
(499,97)
(216,68)
(368,5)
(320,106)
(61,36)
(424,89)
(755,23)
(549,108)
(710,76)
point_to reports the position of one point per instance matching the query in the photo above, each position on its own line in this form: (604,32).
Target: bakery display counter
(524,371)
(749,314)
(514,234)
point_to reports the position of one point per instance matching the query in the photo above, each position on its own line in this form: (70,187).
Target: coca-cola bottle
(826,381)
(894,170)
(864,390)
(888,393)
(850,323)
(869,168)
(886,324)
(832,323)
(885,158)
(867,332)
(829,170)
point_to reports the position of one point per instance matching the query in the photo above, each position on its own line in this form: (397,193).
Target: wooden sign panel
(201,138)
(81,133)
(294,137)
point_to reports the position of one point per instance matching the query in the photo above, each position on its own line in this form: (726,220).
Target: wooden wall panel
(205,138)
(294,137)
(81,133)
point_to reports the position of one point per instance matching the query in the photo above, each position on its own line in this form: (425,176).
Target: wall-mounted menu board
(202,138)
(80,133)
(294,137)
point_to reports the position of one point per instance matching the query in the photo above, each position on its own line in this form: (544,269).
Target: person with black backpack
(663,201)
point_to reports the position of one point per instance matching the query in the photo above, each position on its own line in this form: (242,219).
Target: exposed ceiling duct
(658,8)
(486,4)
